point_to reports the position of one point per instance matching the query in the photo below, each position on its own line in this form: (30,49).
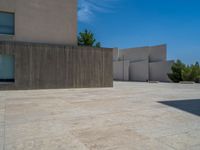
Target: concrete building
(142,64)
(38,48)
(41,21)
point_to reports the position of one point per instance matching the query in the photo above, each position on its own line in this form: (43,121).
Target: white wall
(146,63)
(159,71)
(153,53)
(139,71)
(121,70)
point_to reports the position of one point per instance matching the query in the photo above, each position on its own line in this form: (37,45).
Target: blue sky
(134,23)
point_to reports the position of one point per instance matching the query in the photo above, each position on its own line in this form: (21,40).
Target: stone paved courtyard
(130,116)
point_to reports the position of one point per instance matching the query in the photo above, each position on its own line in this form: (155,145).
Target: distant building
(38,48)
(142,64)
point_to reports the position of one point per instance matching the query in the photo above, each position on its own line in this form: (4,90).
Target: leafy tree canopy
(182,72)
(87,38)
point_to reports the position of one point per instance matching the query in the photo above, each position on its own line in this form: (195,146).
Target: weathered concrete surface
(46,66)
(129,116)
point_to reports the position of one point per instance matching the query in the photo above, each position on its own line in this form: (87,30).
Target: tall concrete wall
(153,53)
(139,71)
(121,70)
(43,21)
(134,54)
(159,71)
(146,63)
(42,66)
(157,53)
(115,54)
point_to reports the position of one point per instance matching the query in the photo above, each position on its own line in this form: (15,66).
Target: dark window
(6,23)
(7,66)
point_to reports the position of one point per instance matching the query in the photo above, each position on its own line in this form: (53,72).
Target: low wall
(45,66)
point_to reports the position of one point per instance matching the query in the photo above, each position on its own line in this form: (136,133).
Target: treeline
(182,72)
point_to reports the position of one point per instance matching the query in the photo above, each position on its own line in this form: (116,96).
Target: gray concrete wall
(139,71)
(43,21)
(157,53)
(121,70)
(42,66)
(153,53)
(159,71)
(115,54)
(134,54)
(146,63)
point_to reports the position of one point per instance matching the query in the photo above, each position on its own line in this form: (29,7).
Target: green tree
(196,72)
(188,74)
(181,72)
(176,75)
(87,38)
(191,73)
(98,44)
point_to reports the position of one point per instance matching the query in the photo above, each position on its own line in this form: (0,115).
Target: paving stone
(182,141)
(129,116)
(67,142)
(1,143)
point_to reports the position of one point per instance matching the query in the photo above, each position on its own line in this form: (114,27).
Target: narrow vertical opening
(7,69)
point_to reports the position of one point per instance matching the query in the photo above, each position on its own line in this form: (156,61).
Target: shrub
(197,80)
(176,75)
(181,72)
(188,74)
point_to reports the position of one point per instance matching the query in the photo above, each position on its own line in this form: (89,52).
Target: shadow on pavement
(190,105)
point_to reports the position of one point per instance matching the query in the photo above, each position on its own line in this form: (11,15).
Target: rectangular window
(7,23)
(7,66)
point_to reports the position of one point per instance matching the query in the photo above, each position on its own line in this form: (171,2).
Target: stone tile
(195,147)
(183,141)
(34,130)
(117,137)
(104,120)
(2,116)
(67,142)
(126,117)
(2,127)
(1,143)
(151,144)
(2,133)
(2,105)
(108,137)
(156,129)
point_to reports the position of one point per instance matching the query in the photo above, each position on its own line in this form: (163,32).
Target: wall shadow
(191,105)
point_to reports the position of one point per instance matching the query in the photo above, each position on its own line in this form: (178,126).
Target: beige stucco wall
(43,21)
